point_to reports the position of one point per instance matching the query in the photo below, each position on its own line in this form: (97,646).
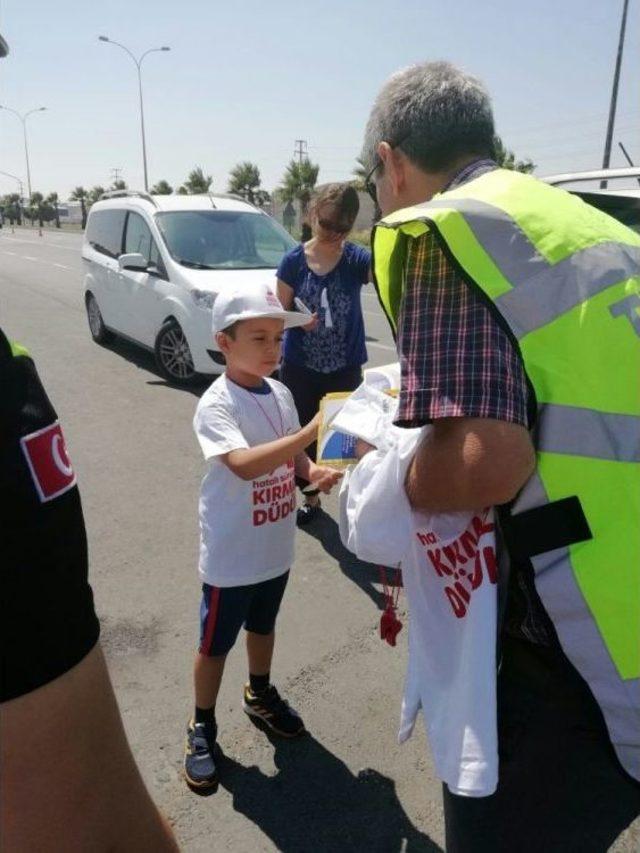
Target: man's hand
(362,448)
(323,477)
(469,463)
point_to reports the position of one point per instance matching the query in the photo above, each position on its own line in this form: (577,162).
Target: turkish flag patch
(46,455)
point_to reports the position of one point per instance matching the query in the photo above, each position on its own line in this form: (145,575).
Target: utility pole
(300,150)
(614,95)
(115,174)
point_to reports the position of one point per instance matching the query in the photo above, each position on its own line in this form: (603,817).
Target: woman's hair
(435,113)
(342,197)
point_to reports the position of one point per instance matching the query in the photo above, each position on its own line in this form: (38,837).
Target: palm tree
(196,182)
(244,180)
(95,193)
(81,195)
(298,183)
(161,188)
(52,200)
(12,208)
(36,204)
(506,159)
(261,198)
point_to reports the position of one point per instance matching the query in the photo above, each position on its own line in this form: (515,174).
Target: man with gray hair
(512,304)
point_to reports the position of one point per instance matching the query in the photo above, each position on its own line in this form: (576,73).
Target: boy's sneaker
(199,763)
(273,710)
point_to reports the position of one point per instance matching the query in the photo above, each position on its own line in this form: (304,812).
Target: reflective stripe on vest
(565,278)
(18,349)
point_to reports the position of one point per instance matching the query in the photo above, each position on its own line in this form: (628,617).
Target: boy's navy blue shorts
(224,610)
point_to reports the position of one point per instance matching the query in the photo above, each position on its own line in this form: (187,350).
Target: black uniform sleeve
(48,622)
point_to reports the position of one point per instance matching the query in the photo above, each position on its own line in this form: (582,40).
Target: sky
(245,79)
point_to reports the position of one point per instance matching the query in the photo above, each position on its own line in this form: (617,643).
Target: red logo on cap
(46,455)
(272,299)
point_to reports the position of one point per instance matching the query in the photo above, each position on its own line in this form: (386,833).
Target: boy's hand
(311,429)
(323,477)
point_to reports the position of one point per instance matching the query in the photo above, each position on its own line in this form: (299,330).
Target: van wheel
(173,355)
(99,332)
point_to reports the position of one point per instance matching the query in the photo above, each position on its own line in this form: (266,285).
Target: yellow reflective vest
(563,279)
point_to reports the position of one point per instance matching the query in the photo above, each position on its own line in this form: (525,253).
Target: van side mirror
(133,261)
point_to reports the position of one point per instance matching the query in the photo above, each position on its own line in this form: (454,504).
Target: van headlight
(203,298)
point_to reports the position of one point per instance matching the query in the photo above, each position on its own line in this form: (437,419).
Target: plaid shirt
(456,360)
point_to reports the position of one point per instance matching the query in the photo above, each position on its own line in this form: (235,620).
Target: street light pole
(138,63)
(15,178)
(23,119)
(614,95)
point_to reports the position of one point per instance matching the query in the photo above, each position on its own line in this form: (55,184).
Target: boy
(248,429)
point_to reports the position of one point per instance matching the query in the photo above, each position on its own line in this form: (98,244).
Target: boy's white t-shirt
(246,527)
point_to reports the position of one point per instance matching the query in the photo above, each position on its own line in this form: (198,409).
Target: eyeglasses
(327,225)
(369,183)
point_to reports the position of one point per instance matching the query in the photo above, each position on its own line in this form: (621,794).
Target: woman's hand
(312,325)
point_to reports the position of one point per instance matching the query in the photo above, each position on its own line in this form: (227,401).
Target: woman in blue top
(326,274)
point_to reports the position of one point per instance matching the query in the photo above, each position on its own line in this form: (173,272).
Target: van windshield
(223,239)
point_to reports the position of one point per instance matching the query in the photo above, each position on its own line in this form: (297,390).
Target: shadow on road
(315,803)
(326,531)
(145,360)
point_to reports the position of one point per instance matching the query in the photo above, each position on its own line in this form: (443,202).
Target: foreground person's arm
(69,781)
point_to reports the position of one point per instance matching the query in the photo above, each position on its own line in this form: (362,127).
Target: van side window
(138,239)
(104,231)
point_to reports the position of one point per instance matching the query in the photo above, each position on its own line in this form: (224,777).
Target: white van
(153,265)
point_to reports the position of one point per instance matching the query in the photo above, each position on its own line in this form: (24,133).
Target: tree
(36,207)
(161,188)
(95,193)
(12,208)
(119,185)
(52,200)
(81,195)
(244,180)
(298,183)
(506,159)
(261,198)
(196,182)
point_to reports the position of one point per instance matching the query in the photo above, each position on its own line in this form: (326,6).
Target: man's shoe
(199,763)
(273,711)
(307,513)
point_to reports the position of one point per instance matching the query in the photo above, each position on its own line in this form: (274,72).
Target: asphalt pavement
(347,786)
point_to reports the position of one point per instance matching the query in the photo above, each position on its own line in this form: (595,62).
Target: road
(348,786)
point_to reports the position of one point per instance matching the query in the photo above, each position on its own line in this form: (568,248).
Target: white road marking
(14,254)
(62,267)
(43,242)
(29,258)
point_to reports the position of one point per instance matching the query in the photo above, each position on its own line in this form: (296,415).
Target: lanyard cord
(266,414)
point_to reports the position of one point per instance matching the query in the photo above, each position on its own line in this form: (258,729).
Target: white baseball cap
(249,301)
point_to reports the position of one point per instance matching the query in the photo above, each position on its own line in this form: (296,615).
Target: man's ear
(393,165)
(223,342)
